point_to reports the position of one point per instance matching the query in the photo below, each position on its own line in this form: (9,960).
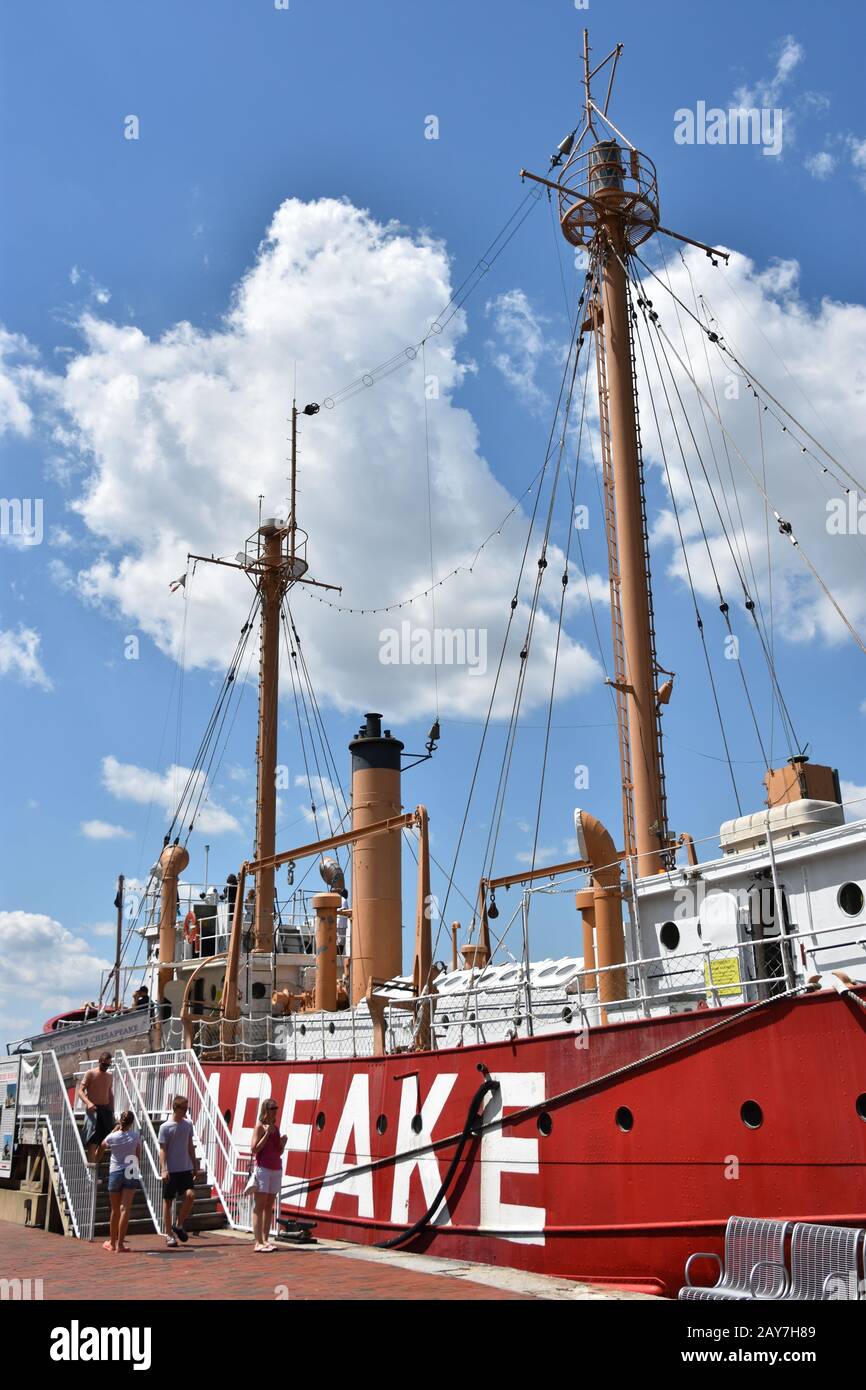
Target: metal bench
(754,1264)
(824,1263)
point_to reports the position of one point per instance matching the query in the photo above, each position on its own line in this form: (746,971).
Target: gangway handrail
(76,1175)
(154,1074)
(149,1169)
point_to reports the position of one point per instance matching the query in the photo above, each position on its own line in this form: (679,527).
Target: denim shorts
(119,1182)
(268,1180)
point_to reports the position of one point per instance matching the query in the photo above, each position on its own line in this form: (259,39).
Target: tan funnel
(377,908)
(596,847)
(172,862)
(325,907)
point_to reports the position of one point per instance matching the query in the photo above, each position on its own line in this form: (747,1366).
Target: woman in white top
(124,1146)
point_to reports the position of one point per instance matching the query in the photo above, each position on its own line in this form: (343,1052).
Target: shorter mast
(274,558)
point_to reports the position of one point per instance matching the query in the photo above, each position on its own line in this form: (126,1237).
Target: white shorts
(268,1180)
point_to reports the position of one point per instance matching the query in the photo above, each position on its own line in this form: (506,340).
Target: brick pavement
(218,1265)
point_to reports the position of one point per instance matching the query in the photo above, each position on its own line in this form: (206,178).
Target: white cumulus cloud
(103,830)
(46,970)
(182,433)
(130,783)
(20,658)
(810,358)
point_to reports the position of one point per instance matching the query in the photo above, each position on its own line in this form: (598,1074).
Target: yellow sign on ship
(722,976)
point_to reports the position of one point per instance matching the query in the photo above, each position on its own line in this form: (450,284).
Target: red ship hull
(592,1198)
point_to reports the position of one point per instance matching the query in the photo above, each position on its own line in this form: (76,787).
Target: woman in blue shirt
(124,1146)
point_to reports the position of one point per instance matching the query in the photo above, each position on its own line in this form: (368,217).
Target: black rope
(487,1087)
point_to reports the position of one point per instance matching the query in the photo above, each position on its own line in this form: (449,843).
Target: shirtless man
(97,1091)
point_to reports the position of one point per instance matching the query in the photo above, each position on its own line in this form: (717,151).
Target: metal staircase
(72,1177)
(155,1078)
(145,1085)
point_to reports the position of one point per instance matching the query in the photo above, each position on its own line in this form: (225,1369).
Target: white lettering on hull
(499,1153)
(354,1121)
(502,1153)
(302,1085)
(408,1141)
(252,1085)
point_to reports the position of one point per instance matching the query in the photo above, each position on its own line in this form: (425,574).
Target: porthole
(381,1124)
(850,899)
(258,990)
(860,1103)
(624,1119)
(567,1015)
(444,1018)
(416,1124)
(669,935)
(320,1121)
(331,1028)
(545,1123)
(751,1114)
(303,1030)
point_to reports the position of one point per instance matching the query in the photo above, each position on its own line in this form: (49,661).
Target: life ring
(190,930)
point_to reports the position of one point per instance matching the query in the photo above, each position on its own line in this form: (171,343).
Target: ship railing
(711,976)
(707,976)
(158,1078)
(76,1176)
(280,1037)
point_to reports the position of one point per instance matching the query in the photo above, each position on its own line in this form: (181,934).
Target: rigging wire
(769,570)
(723,606)
(731,474)
(466,567)
(785,527)
(748,601)
(328,752)
(698,619)
(729,284)
(430,520)
(459,297)
(560,619)
(723,344)
(512,610)
(754,608)
(520,685)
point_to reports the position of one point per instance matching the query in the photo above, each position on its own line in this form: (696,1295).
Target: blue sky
(244,106)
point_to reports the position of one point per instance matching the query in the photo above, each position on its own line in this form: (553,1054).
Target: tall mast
(644,811)
(273,582)
(608,202)
(274,558)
